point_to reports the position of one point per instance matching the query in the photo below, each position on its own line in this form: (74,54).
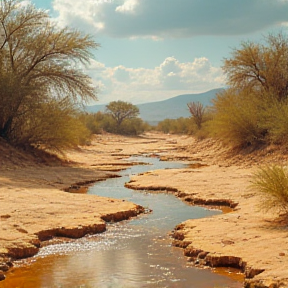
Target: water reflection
(135,253)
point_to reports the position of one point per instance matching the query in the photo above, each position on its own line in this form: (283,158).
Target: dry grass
(272,183)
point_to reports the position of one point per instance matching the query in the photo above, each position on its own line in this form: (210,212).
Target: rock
(178,235)
(180,243)
(251,272)
(202,255)
(192,252)
(2,276)
(4,267)
(6,216)
(227,242)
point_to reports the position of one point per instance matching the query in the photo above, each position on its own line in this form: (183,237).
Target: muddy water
(135,253)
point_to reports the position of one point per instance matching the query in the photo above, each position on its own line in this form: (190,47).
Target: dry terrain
(34,206)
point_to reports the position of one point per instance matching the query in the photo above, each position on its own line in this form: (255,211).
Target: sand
(34,206)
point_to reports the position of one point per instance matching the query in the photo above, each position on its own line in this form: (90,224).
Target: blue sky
(156,49)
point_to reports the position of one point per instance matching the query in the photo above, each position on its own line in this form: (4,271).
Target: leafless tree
(197,111)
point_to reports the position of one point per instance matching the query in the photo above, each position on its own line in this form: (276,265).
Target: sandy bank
(248,239)
(34,208)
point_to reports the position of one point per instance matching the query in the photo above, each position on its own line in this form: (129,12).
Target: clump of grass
(272,183)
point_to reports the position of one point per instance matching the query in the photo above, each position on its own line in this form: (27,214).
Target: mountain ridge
(173,108)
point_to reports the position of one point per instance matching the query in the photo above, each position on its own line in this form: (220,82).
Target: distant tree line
(120,117)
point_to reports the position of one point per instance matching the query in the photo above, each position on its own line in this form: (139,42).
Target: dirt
(34,206)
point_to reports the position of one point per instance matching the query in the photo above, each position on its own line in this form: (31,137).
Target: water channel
(135,253)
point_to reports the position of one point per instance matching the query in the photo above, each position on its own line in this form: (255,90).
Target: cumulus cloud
(170,65)
(170,78)
(128,6)
(173,18)
(121,74)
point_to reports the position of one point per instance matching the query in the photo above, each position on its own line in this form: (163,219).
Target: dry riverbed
(34,207)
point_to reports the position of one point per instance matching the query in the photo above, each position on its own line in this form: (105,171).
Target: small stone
(2,276)
(282,254)
(6,216)
(4,267)
(227,242)
(202,255)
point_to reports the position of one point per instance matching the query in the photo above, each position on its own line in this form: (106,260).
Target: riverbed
(135,253)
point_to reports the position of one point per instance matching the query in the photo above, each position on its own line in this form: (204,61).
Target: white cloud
(84,17)
(128,6)
(171,19)
(169,79)
(169,65)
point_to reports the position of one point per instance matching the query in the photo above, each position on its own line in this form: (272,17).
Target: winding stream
(135,253)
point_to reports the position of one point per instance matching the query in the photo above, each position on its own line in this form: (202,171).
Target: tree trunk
(4,132)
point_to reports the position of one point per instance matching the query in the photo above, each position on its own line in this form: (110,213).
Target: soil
(34,206)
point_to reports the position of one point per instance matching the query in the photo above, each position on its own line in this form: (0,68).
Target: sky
(151,50)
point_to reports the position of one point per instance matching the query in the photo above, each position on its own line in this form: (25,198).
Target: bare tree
(197,111)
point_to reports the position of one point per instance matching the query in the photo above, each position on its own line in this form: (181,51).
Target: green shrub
(272,184)
(54,125)
(177,126)
(255,109)
(133,126)
(99,122)
(164,126)
(39,62)
(275,119)
(237,118)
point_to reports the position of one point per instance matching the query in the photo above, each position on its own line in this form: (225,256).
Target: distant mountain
(95,108)
(173,108)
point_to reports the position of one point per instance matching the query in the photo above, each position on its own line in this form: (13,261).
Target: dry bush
(254,110)
(197,111)
(275,119)
(260,66)
(40,62)
(237,118)
(54,126)
(98,122)
(177,126)
(133,126)
(272,184)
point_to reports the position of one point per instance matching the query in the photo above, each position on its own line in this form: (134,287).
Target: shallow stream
(135,253)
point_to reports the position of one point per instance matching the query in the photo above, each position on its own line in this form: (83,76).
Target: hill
(173,108)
